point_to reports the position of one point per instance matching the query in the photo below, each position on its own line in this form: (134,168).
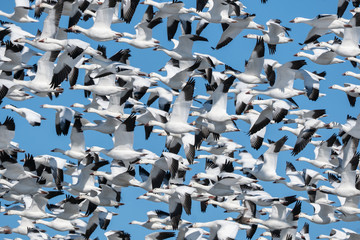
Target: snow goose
(35,206)
(352,91)
(217,113)
(123,143)
(274,35)
(320,25)
(322,154)
(13,52)
(165,9)
(7,131)
(147,114)
(142,39)
(276,110)
(183,48)
(149,225)
(165,97)
(67,209)
(58,224)
(180,197)
(108,126)
(50,29)
(311,125)
(63,118)
(262,198)
(347,187)
(74,49)
(352,74)
(348,47)
(230,204)
(84,182)
(105,86)
(221,229)
(107,197)
(13,170)
(283,86)
(218,12)
(300,180)
(266,171)
(24,225)
(77,150)
(176,76)
(32,117)
(16,32)
(251,116)
(279,219)
(253,66)
(119,175)
(323,214)
(311,82)
(41,83)
(177,122)
(101,29)
(234,29)
(21,13)
(322,56)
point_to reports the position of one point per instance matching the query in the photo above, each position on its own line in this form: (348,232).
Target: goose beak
(292,21)
(348,26)
(295,55)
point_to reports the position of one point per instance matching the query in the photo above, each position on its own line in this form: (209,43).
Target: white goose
(77,146)
(31,116)
(123,143)
(348,47)
(320,25)
(283,86)
(40,85)
(21,13)
(322,154)
(101,29)
(182,48)
(274,35)
(218,12)
(234,29)
(177,123)
(253,66)
(322,56)
(266,171)
(352,74)
(63,118)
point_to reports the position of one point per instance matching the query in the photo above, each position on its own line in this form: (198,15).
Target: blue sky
(40,140)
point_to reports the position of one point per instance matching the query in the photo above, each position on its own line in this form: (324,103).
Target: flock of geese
(207,165)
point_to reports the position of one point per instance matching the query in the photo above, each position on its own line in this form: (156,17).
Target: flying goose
(253,67)
(275,34)
(31,116)
(266,171)
(63,118)
(177,123)
(320,25)
(183,48)
(101,29)
(21,13)
(235,28)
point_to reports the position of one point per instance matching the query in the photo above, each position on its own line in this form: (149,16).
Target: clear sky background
(40,140)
